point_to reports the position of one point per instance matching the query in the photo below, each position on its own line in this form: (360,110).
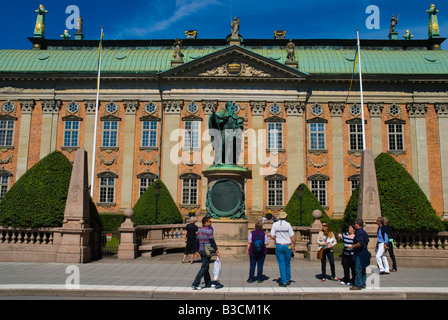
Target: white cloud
(183,8)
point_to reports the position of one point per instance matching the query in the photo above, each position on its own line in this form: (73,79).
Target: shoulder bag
(208,248)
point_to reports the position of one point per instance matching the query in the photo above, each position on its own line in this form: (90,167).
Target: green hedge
(38,198)
(111,221)
(145,208)
(402,201)
(309,204)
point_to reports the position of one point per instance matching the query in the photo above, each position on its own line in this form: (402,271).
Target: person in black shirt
(190,239)
(361,254)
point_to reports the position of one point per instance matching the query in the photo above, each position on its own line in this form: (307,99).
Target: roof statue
(177,53)
(39,30)
(433,31)
(290,50)
(408,35)
(65,35)
(393,23)
(235,28)
(79,29)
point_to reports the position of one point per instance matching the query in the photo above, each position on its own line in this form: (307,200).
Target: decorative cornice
(441,110)
(51,106)
(209,106)
(294,108)
(130,106)
(336,108)
(26,106)
(375,109)
(173,106)
(417,110)
(257,107)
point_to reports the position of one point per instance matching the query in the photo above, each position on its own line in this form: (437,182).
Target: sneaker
(196,288)
(335,278)
(342,282)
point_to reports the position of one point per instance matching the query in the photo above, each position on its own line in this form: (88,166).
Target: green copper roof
(312,61)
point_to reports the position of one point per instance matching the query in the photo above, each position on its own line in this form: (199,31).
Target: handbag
(208,248)
(216,269)
(320,253)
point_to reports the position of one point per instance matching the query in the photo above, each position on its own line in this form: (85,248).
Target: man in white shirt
(285,243)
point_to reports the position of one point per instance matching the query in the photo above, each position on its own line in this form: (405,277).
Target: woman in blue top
(348,261)
(256,250)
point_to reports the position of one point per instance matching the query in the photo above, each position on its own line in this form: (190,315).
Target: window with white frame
(149,134)
(145,180)
(356,142)
(354,182)
(4,184)
(319,188)
(275,135)
(275,193)
(395,133)
(107,187)
(6,132)
(190,191)
(71,133)
(110,134)
(317,136)
(192,134)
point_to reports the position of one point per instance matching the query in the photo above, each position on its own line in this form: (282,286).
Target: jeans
(258,261)
(283,253)
(361,276)
(203,272)
(328,253)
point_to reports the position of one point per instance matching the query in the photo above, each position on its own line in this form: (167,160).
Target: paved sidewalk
(165,277)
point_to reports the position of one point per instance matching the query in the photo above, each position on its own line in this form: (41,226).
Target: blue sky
(168,19)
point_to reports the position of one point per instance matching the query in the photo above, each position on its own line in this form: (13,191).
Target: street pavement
(165,277)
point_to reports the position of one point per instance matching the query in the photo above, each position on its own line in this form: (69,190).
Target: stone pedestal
(231,236)
(234,42)
(316,226)
(292,64)
(393,36)
(128,238)
(225,191)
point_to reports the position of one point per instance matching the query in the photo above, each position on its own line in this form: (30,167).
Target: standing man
(285,243)
(382,246)
(362,255)
(204,236)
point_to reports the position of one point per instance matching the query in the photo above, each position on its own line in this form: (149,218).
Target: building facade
(300,123)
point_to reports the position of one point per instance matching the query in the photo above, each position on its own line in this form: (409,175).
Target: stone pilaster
(375,110)
(336,110)
(209,106)
(442,116)
(26,107)
(130,108)
(419,147)
(257,108)
(171,122)
(90,106)
(295,156)
(50,109)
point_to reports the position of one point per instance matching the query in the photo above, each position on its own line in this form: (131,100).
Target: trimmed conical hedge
(402,200)
(38,198)
(145,208)
(309,204)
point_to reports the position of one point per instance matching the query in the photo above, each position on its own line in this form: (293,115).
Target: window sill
(109,149)
(106,204)
(69,149)
(318,151)
(149,148)
(396,152)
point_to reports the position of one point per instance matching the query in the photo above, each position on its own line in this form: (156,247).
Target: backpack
(258,243)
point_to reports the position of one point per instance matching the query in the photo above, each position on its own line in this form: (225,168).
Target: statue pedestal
(231,236)
(393,36)
(234,42)
(292,64)
(225,191)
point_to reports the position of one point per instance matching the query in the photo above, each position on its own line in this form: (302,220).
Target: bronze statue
(393,23)
(226,132)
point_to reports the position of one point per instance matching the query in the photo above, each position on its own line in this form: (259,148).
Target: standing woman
(348,261)
(256,250)
(327,241)
(190,239)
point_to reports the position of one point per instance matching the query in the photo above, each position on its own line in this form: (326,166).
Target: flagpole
(360,90)
(92,178)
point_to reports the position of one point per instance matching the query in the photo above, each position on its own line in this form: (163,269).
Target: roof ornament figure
(79,29)
(235,28)
(290,50)
(408,35)
(177,56)
(39,30)
(65,35)
(433,31)
(393,23)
